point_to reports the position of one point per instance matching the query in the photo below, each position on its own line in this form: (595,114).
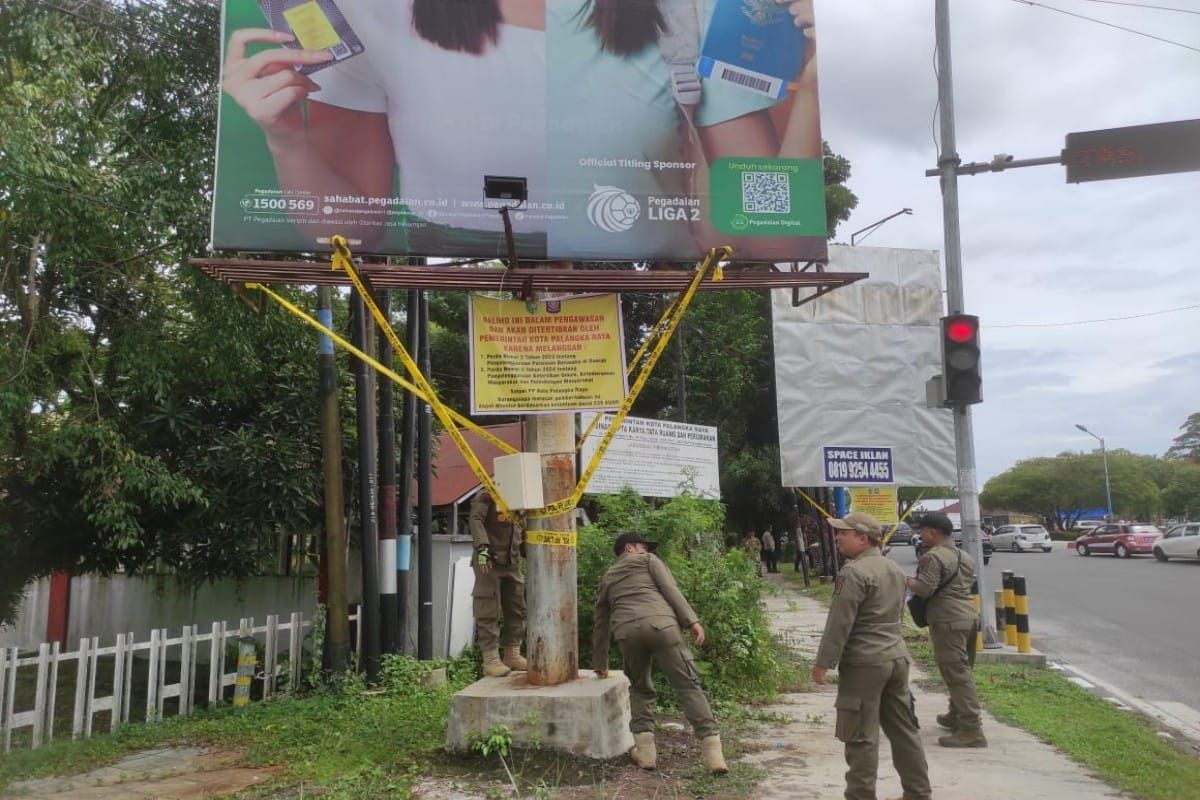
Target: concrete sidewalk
(803,760)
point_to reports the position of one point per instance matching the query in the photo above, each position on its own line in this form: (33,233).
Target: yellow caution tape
(559,538)
(341,260)
(563,506)
(400,381)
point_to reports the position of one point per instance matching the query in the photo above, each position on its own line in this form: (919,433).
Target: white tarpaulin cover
(850,369)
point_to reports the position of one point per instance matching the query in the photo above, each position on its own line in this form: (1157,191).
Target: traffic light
(960,360)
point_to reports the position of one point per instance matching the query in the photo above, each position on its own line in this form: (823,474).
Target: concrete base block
(586,717)
(1009,655)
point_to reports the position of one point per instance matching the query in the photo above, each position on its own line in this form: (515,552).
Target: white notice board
(655,457)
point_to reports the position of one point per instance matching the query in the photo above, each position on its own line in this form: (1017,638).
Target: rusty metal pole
(552,622)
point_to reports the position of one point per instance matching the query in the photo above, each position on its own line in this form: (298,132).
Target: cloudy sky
(1035,249)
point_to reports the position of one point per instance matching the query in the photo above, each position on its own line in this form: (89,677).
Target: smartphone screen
(317,25)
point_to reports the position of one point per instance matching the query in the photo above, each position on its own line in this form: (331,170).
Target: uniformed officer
(499,587)
(753,547)
(639,602)
(944,576)
(862,639)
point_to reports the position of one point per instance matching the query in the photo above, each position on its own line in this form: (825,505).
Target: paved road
(1133,623)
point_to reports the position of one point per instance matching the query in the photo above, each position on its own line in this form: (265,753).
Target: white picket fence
(187,646)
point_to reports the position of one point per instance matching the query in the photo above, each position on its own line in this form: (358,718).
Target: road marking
(1081,682)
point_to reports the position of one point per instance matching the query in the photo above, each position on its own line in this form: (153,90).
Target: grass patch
(350,744)
(817,591)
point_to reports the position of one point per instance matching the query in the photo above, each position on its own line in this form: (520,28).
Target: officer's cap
(936,520)
(859,521)
(632,538)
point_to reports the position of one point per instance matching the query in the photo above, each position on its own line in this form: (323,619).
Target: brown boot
(493,667)
(973,738)
(714,759)
(644,753)
(513,658)
(948,720)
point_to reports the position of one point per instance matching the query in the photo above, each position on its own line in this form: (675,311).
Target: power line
(1109,24)
(1146,6)
(1095,321)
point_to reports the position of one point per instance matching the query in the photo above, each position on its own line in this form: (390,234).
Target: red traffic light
(961,330)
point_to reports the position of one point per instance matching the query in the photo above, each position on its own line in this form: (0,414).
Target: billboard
(547,355)
(657,457)
(850,372)
(645,130)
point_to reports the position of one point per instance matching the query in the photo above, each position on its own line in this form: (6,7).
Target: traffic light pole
(964,441)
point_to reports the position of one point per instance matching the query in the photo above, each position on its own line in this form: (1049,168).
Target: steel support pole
(424,497)
(964,443)
(388,609)
(1107,485)
(551,598)
(364,384)
(334,552)
(408,439)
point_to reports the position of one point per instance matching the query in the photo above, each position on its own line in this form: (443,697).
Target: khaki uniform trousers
(954,649)
(871,696)
(659,640)
(502,589)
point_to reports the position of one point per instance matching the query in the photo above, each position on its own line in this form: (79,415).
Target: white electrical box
(519,479)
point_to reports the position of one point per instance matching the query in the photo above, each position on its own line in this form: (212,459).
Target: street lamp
(874,225)
(1107,486)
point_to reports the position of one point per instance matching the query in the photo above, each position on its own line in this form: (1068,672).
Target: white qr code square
(766,193)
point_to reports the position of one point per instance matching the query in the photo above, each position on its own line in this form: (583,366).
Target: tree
(1186,446)
(146,418)
(1181,499)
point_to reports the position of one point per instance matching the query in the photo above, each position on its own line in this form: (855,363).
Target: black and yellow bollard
(1022,609)
(1010,608)
(975,601)
(998,599)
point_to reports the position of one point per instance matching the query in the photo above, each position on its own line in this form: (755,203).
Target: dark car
(1121,539)
(958,534)
(903,534)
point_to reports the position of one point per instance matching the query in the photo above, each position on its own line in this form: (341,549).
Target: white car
(1019,538)
(1182,541)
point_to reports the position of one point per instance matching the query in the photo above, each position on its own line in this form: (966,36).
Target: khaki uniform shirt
(951,605)
(768,542)
(638,587)
(488,528)
(863,626)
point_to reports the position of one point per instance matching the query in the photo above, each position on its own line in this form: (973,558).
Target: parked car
(903,534)
(1122,539)
(1019,538)
(958,534)
(1182,541)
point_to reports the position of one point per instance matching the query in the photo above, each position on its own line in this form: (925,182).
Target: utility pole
(424,497)
(337,619)
(552,603)
(964,441)
(364,384)
(408,439)
(389,610)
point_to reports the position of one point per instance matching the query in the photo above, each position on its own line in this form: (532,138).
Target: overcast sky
(1035,249)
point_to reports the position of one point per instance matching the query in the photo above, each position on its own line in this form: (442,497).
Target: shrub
(737,661)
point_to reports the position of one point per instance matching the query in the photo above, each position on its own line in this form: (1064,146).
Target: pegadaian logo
(613,209)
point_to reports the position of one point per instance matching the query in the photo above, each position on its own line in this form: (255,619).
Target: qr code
(766,193)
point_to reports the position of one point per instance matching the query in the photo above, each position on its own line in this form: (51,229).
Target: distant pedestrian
(863,641)
(753,547)
(768,550)
(944,577)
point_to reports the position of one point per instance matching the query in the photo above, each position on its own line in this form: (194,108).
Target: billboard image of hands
(644,129)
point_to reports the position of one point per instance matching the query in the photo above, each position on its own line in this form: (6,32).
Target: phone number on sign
(278,204)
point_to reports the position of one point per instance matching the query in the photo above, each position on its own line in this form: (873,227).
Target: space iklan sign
(858,465)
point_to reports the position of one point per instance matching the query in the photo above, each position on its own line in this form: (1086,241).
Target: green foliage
(737,661)
(497,740)
(1181,498)
(1062,487)
(1186,446)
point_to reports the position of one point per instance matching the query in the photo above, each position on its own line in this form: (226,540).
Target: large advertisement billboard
(850,372)
(643,129)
